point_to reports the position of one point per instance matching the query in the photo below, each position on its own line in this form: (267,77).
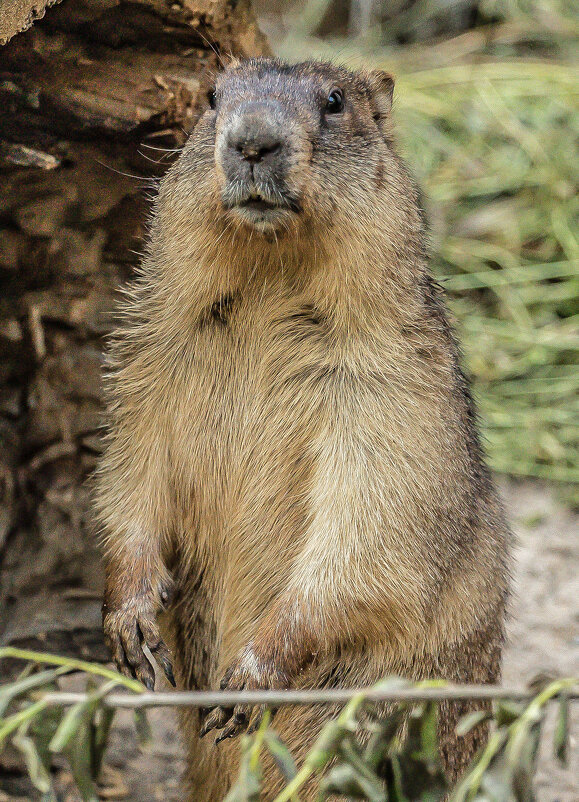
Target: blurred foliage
(363,754)
(488,120)
(78,733)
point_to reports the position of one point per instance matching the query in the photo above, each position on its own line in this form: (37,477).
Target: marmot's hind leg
(475,661)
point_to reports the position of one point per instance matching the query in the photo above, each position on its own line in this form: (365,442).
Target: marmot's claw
(250,674)
(231,722)
(257,717)
(150,635)
(236,724)
(168,671)
(126,631)
(215,720)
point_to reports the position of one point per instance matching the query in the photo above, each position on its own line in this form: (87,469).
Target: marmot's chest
(262,342)
(249,411)
(251,377)
(264,320)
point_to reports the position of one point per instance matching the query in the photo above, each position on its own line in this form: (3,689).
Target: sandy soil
(544,629)
(543,637)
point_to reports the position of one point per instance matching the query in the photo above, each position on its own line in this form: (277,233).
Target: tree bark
(94,99)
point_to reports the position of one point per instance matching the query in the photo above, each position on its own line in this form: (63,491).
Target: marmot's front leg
(136,591)
(282,648)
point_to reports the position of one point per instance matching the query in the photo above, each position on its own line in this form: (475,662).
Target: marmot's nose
(254,150)
(255,136)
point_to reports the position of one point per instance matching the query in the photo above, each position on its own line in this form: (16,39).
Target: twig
(295,697)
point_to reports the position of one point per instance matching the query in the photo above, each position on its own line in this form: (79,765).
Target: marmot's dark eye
(212,98)
(335,102)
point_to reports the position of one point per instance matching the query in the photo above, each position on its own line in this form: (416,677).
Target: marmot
(292,462)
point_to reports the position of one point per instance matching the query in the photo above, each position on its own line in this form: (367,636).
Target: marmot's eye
(212,98)
(335,102)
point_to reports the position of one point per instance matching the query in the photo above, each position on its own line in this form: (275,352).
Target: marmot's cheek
(294,179)
(220,174)
(220,157)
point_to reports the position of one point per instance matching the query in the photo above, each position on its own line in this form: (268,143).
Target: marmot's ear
(382,91)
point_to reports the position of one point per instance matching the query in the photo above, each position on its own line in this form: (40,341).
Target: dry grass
(489,121)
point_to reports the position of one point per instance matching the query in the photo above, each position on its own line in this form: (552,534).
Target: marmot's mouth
(258,204)
(262,212)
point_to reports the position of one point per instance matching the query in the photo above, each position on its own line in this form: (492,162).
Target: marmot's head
(283,147)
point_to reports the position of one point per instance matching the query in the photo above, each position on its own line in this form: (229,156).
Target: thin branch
(296,697)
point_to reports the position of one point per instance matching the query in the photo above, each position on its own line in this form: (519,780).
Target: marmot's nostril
(255,151)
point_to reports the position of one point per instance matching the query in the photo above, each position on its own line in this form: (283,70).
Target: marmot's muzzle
(254,156)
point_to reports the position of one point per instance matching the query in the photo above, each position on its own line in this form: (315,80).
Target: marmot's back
(293,445)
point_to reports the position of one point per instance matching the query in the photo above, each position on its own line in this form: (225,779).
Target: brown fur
(291,435)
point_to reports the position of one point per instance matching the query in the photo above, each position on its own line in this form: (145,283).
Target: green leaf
(83,740)
(385,736)
(69,726)
(508,711)
(14,689)
(79,754)
(524,769)
(523,772)
(38,771)
(71,664)
(78,715)
(100,736)
(281,754)
(561,741)
(326,745)
(471,720)
(346,780)
(521,732)
(468,786)
(42,729)
(8,725)
(392,684)
(497,781)
(394,781)
(429,733)
(350,753)
(421,775)
(143,728)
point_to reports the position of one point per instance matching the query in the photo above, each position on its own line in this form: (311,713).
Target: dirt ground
(543,637)
(544,629)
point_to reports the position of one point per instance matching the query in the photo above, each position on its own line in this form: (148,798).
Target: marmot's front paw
(128,627)
(248,673)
